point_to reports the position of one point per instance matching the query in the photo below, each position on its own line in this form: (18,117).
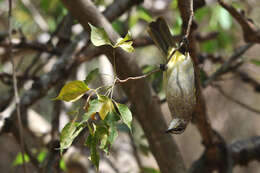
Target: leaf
(102,135)
(106,107)
(149,170)
(111,120)
(94,155)
(72,91)
(69,133)
(94,107)
(256,62)
(125,114)
(144,14)
(19,159)
(88,140)
(91,76)
(225,19)
(41,156)
(125,43)
(99,36)
(62,164)
(127,46)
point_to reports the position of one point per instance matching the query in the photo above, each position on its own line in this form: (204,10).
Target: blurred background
(233,107)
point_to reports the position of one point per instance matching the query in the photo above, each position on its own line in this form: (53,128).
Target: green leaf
(144,14)
(125,43)
(69,133)
(256,62)
(150,170)
(19,159)
(62,164)
(125,114)
(91,76)
(111,120)
(118,25)
(72,91)
(133,20)
(41,156)
(99,36)
(94,155)
(102,135)
(88,140)
(94,107)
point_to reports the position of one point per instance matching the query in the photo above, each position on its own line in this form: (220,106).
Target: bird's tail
(160,33)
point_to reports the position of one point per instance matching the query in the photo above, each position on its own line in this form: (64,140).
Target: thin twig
(190,20)
(17,99)
(235,100)
(137,77)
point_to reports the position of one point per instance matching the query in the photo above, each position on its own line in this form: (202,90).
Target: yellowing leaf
(125,43)
(99,36)
(106,108)
(72,91)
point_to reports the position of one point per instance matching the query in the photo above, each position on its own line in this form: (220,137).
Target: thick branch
(240,152)
(244,151)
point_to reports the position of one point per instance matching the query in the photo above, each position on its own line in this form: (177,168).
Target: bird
(178,76)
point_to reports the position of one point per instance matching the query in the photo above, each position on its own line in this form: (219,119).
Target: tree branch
(250,31)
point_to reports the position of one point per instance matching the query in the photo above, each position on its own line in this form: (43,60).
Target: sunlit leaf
(99,36)
(125,43)
(69,133)
(125,114)
(256,62)
(72,91)
(19,159)
(225,19)
(106,107)
(91,76)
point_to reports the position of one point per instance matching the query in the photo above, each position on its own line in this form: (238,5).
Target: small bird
(178,76)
